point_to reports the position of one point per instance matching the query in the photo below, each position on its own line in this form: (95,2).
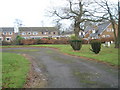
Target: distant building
(7,34)
(38,32)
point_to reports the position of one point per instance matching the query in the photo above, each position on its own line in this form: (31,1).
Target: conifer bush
(96,46)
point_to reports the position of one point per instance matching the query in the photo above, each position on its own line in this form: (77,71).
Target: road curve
(64,71)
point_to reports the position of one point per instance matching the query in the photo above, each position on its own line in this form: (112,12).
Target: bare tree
(110,11)
(18,22)
(79,12)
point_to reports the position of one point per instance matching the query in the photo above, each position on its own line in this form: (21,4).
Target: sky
(32,13)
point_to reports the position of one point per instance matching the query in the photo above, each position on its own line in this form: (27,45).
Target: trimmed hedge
(43,41)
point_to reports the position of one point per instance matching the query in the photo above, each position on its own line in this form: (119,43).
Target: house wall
(39,34)
(109,31)
(4,37)
(88,34)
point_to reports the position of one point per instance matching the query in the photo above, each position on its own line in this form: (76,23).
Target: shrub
(6,43)
(39,41)
(96,46)
(28,41)
(18,40)
(76,44)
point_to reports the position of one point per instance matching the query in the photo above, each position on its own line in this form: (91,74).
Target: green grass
(14,70)
(109,55)
(0,70)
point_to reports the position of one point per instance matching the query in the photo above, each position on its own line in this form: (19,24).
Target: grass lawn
(109,55)
(14,70)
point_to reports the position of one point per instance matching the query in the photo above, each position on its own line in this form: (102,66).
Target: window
(79,33)
(29,33)
(10,33)
(54,33)
(103,36)
(83,33)
(8,38)
(23,33)
(35,33)
(107,35)
(93,31)
(108,29)
(4,33)
(44,33)
(49,32)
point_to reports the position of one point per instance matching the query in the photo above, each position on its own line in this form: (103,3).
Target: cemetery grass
(14,70)
(107,55)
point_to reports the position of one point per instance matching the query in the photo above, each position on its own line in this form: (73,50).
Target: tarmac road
(64,71)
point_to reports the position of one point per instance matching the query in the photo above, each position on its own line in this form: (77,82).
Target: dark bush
(76,44)
(17,41)
(96,46)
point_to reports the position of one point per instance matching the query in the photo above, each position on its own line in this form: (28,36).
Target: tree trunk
(76,31)
(115,34)
(119,29)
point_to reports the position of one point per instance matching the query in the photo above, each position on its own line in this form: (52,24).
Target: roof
(39,29)
(6,29)
(67,33)
(89,28)
(93,35)
(102,27)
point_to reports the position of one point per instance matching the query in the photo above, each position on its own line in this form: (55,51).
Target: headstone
(108,44)
(111,41)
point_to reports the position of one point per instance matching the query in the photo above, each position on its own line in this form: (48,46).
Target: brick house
(7,34)
(103,30)
(38,32)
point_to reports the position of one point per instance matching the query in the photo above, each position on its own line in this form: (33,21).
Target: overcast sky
(31,12)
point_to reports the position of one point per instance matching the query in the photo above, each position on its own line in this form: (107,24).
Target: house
(38,32)
(7,34)
(103,30)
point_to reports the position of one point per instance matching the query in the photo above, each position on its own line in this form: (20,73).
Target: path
(66,71)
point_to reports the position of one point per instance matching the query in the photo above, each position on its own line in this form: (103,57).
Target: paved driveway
(66,71)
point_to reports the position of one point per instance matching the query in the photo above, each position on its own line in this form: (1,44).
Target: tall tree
(78,11)
(110,11)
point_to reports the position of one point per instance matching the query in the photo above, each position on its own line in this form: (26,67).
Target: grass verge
(14,70)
